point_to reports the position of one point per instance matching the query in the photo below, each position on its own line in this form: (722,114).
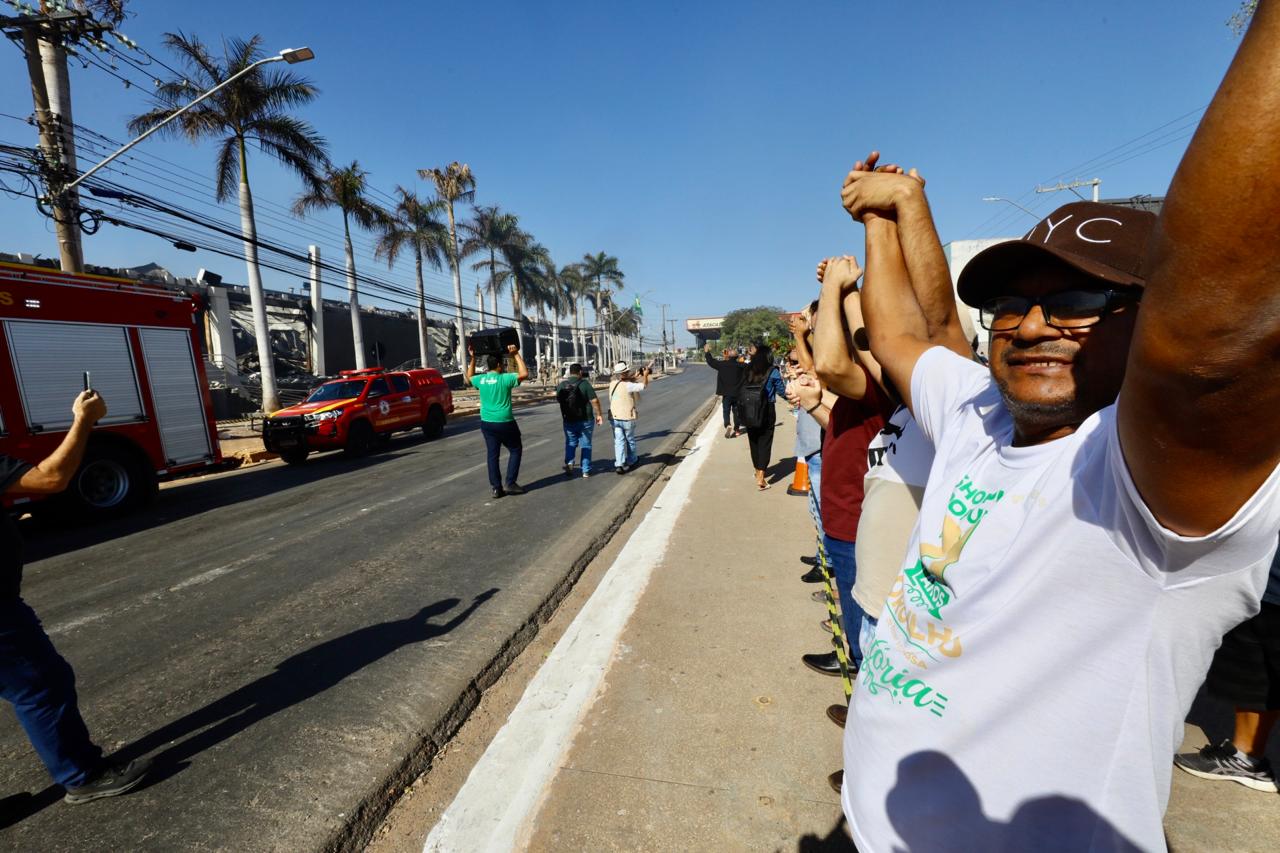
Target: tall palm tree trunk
(422,306)
(484,320)
(460,353)
(357,334)
(257,300)
(580,334)
(555,339)
(493,286)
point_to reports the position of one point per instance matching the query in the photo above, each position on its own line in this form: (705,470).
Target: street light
(1014,203)
(292,55)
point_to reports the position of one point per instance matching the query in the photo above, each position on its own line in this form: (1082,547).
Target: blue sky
(701,143)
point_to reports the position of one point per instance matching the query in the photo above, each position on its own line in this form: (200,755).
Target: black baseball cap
(1106,241)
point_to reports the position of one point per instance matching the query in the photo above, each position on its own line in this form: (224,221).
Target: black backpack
(753,407)
(574,405)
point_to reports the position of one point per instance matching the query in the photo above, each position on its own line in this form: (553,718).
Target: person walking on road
(729,372)
(577,397)
(761,385)
(33,676)
(622,411)
(497,423)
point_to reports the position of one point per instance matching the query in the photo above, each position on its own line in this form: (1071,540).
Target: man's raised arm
(895,324)
(832,339)
(901,197)
(1198,408)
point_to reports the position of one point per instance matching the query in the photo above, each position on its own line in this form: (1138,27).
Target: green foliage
(1239,22)
(747,325)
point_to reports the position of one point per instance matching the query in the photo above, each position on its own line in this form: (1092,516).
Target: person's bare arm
(1198,409)
(471,365)
(900,196)
(832,339)
(895,324)
(595,402)
(522,371)
(644,374)
(816,402)
(53,473)
(799,334)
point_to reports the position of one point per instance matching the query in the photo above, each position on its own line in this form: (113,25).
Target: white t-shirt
(898,462)
(1032,667)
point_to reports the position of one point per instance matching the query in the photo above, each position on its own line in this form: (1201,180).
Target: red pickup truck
(359,410)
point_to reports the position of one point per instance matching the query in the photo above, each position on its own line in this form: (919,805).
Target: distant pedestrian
(497,423)
(729,372)
(623,391)
(33,676)
(1246,672)
(577,397)
(761,385)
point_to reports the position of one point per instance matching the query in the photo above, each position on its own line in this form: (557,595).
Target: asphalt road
(279,638)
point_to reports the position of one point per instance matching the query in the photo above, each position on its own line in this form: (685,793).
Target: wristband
(817,405)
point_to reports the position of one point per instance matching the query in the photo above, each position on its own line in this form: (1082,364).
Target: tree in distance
(415,224)
(252,109)
(344,189)
(454,183)
(749,325)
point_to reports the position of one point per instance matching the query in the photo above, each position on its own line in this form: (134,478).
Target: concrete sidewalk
(705,731)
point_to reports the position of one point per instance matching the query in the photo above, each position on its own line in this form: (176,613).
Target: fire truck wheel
(359,439)
(294,457)
(111,480)
(434,426)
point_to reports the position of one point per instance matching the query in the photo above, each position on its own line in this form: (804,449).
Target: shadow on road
(295,680)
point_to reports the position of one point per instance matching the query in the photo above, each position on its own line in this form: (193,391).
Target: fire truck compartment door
(50,360)
(175,387)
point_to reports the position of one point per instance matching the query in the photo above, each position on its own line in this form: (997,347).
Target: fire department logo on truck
(384,407)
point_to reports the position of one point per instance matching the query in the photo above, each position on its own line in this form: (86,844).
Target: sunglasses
(1066,309)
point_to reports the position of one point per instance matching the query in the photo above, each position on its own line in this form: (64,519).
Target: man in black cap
(1103,504)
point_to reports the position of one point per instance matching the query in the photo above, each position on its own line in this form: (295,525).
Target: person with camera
(577,397)
(497,423)
(33,676)
(623,392)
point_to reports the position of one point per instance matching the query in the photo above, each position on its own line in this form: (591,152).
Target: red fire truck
(139,344)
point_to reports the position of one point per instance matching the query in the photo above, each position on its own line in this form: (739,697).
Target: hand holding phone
(87,385)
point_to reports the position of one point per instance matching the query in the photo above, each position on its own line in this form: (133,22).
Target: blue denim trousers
(624,443)
(496,436)
(840,555)
(42,688)
(577,434)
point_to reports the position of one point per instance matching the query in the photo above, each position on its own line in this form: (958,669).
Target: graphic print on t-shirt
(917,600)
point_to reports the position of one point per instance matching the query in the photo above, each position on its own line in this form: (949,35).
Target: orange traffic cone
(800,482)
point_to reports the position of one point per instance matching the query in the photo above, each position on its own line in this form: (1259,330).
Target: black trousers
(506,435)
(761,441)
(729,405)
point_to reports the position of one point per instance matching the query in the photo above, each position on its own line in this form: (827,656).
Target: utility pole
(672,321)
(42,42)
(317,314)
(664,338)
(1095,183)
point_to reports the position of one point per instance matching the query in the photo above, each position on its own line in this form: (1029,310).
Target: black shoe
(621,469)
(827,664)
(809,561)
(814,575)
(835,780)
(111,780)
(568,469)
(1220,761)
(838,714)
(498,493)
(515,489)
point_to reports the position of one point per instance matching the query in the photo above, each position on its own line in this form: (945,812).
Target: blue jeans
(578,434)
(624,443)
(497,435)
(42,688)
(845,568)
(814,461)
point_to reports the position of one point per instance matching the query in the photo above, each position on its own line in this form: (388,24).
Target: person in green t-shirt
(497,424)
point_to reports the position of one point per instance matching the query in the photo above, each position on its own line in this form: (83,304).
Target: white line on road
(262,557)
(505,788)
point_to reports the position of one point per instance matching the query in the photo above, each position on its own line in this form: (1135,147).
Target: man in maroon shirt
(845,366)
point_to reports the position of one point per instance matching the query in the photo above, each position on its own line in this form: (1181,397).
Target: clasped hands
(871,190)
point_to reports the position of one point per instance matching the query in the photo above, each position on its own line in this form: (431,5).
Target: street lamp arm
(284,56)
(1014,203)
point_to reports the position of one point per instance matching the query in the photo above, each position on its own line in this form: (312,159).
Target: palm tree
(454,183)
(252,109)
(416,224)
(490,230)
(345,189)
(525,259)
(601,268)
(576,287)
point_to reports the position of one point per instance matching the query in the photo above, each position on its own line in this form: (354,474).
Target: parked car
(359,410)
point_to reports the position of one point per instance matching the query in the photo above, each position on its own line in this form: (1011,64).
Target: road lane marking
(505,788)
(262,557)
